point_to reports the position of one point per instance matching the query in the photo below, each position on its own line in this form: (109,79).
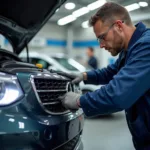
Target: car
(60,62)
(31,115)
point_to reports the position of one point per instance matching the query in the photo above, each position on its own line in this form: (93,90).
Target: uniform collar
(140,28)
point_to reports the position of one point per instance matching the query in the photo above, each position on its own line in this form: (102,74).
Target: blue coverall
(126,88)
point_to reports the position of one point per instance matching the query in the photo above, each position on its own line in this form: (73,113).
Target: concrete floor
(107,133)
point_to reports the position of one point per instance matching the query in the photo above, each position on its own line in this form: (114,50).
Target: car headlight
(10,90)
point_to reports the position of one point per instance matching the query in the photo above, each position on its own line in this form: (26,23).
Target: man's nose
(102,45)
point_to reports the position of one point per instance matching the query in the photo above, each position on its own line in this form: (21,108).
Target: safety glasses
(101,38)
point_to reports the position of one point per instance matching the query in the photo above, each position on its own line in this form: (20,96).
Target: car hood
(20,20)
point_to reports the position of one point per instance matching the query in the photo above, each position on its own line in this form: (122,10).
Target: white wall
(54,32)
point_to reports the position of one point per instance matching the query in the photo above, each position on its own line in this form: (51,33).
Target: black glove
(69,100)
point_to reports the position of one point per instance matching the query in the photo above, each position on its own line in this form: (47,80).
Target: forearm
(100,76)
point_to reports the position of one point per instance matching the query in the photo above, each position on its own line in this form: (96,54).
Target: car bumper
(79,145)
(41,132)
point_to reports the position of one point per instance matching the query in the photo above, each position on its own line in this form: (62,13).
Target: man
(127,82)
(92,59)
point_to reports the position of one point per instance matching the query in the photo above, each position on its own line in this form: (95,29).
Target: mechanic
(92,59)
(127,81)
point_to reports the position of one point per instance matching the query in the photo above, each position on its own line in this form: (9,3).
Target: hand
(69,75)
(69,100)
(78,79)
(75,78)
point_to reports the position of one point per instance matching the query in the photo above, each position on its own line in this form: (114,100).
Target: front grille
(48,90)
(50,84)
(70,145)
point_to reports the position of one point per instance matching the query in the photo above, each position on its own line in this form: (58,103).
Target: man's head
(113,27)
(90,51)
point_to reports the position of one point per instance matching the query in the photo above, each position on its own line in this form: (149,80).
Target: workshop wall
(50,39)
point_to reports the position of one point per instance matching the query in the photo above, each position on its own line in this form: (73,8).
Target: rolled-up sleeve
(126,87)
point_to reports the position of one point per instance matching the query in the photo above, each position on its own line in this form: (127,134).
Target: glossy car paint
(25,121)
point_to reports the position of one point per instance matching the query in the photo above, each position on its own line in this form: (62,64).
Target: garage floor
(107,133)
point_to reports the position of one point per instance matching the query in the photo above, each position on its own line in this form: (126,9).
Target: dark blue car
(31,115)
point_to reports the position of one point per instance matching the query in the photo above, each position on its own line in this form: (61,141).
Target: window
(40,61)
(65,62)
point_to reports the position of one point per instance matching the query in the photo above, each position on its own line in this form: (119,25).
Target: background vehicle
(59,62)
(31,115)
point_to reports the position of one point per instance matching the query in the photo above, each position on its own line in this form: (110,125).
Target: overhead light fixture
(93,6)
(70,6)
(132,7)
(143,4)
(96,4)
(80,12)
(66,20)
(85,24)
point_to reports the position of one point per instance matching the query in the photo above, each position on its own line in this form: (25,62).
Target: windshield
(70,64)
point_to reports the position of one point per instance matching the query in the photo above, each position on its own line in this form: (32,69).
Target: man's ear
(119,24)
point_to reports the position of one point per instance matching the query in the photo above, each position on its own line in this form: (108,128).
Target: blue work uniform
(127,87)
(92,62)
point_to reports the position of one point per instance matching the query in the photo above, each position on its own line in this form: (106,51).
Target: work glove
(69,100)
(69,75)
(76,79)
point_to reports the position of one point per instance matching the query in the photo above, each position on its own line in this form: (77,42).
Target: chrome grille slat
(51,103)
(48,90)
(51,90)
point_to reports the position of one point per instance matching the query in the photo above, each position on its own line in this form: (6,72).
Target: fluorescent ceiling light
(66,20)
(143,4)
(70,6)
(93,6)
(80,12)
(132,7)
(85,24)
(96,4)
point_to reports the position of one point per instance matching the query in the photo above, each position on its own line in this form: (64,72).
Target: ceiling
(141,14)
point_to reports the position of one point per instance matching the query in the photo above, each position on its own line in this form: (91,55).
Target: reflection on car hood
(20,20)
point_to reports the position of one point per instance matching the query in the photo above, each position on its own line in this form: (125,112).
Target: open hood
(20,20)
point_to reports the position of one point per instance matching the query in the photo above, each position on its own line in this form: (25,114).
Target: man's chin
(113,54)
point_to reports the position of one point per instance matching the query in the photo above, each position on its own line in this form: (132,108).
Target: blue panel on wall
(63,43)
(92,43)
(51,42)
